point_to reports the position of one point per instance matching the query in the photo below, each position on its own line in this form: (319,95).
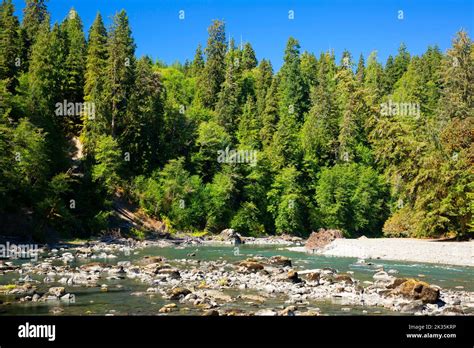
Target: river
(129,297)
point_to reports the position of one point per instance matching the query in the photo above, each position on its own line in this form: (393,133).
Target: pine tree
(96,59)
(198,62)
(249,126)
(120,70)
(227,108)
(142,136)
(286,202)
(293,93)
(360,72)
(320,130)
(9,45)
(34,14)
(293,90)
(94,81)
(373,81)
(309,69)
(76,57)
(43,92)
(249,60)
(270,114)
(214,72)
(262,84)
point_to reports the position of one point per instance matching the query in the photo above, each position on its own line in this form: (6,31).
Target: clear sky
(358,26)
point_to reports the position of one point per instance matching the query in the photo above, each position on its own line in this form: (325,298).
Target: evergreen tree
(320,130)
(76,57)
(293,104)
(249,60)
(94,80)
(286,203)
(214,72)
(120,70)
(34,14)
(96,59)
(249,126)
(227,107)
(142,137)
(360,72)
(262,84)
(9,45)
(270,114)
(309,69)
(198,62)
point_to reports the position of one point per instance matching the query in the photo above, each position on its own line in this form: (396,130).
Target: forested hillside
(224,140)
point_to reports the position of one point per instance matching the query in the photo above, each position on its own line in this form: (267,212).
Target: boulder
(288,311)
(177,293)
(343,278)
(167,308)
(292,276)
(57,291)
(417,290)
(252,266)
(280,261)
(320,239)
(230,235)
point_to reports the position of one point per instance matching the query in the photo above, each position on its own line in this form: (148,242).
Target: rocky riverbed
(257,285)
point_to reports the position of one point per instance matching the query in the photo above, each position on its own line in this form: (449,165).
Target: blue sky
(358,26)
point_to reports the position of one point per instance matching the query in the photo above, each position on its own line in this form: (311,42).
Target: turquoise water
(121,298)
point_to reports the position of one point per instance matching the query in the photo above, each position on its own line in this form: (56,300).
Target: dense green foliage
(224,141)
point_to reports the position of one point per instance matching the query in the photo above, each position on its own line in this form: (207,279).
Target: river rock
(344,278)
(280,261)
(167,308)
(210,313)
(230,235)
(177,293)
(251,265)
(288,311)
(292,276)
(57,291)
(417,290)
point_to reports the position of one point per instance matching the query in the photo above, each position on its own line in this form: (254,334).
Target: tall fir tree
(227,108)
(293,96)
(120,70)
(34,14)
(94,85)
(360,71)
(214,72)
(198,62)
(9,45)
(249,59)
(249,126)
(263,83)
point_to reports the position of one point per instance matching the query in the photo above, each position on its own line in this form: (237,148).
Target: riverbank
(401,249)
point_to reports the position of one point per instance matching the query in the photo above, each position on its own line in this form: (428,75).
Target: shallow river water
(121,300)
